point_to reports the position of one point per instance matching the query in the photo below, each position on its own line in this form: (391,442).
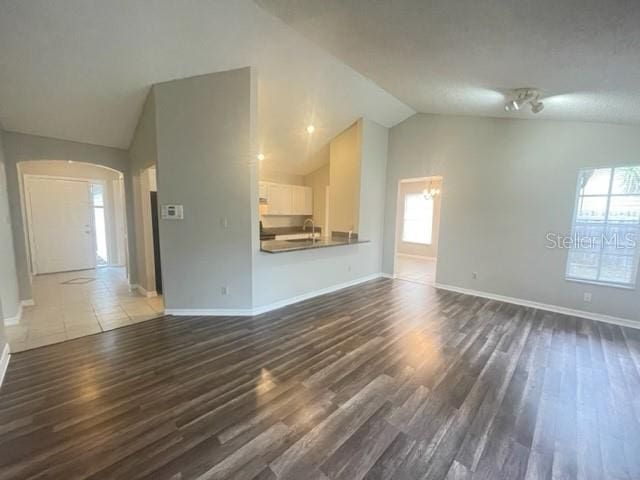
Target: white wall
(270,175)
(206,163)
(318,180)
(344,179)
(506,184)
(282,276)
(19,147)
(9,295)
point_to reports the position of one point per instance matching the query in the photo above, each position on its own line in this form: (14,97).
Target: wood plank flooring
(388,379)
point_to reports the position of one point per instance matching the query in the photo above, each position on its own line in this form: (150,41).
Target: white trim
(15,320)
(143,291)
(4,362)
(243,312)
(625,322)
(388,275)
(433,178)
(209,312)
(420,257)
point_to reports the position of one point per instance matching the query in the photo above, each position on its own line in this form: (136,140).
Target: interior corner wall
(285,276)
(205,163)
(144,155)
(506,184)
(9,294)
(344,178)
(19,147)
(318,180)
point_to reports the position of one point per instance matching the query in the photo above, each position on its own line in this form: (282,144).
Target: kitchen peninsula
(312,209)
(337,239)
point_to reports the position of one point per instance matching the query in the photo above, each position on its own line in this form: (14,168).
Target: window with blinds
(606,227)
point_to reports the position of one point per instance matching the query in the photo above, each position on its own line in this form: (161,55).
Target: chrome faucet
(313,228)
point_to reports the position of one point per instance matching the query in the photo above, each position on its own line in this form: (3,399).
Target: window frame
(404,220)
(605,224)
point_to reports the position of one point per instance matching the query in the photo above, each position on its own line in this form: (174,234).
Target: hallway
(416,269)
(75,304)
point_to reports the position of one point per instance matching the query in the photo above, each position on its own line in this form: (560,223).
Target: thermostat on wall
(172,212)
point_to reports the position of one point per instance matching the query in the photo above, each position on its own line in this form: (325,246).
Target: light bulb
(261,156)
(511,106)
(536,107)
(311,129)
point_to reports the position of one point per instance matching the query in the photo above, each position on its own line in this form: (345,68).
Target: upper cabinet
(302,200)
(284,199)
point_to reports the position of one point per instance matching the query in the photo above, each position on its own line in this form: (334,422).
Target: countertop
(281,246)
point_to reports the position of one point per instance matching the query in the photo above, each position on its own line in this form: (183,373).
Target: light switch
(172,212)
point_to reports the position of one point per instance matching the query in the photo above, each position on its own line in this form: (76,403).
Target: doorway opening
(99,224)
(74,220)
(417,229)
(74,216)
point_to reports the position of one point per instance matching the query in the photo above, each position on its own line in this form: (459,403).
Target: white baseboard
(625,322)
(388,275)
(419,257)
(4,362)
(242,312)
(209,312)
(15,320)
(143,291)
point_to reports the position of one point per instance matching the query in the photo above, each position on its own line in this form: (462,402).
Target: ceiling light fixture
(537,106)
(523,97)
(261,156)
(311,129)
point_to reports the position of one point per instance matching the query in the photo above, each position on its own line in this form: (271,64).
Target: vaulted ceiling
(462,56)
(81,69)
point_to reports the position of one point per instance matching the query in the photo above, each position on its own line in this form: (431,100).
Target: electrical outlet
(348,268)
(224,223)
(587,297)
(224,290)
(474,275)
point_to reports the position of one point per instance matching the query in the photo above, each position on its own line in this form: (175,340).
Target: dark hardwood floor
(389,379)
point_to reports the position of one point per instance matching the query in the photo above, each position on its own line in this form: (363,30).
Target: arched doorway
(74,215)
(91,292)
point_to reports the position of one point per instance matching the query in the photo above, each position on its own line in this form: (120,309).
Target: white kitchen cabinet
(282,199)
(279,199)
(302,200)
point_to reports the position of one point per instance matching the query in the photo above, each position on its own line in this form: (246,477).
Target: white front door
(61,225)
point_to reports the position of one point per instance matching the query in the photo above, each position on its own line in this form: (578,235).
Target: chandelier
(431,192)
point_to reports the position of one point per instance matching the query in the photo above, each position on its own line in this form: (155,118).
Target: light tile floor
(74,304)
(415,269)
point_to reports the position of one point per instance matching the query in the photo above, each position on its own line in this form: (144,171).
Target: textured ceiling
(81,69)
(461,56)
